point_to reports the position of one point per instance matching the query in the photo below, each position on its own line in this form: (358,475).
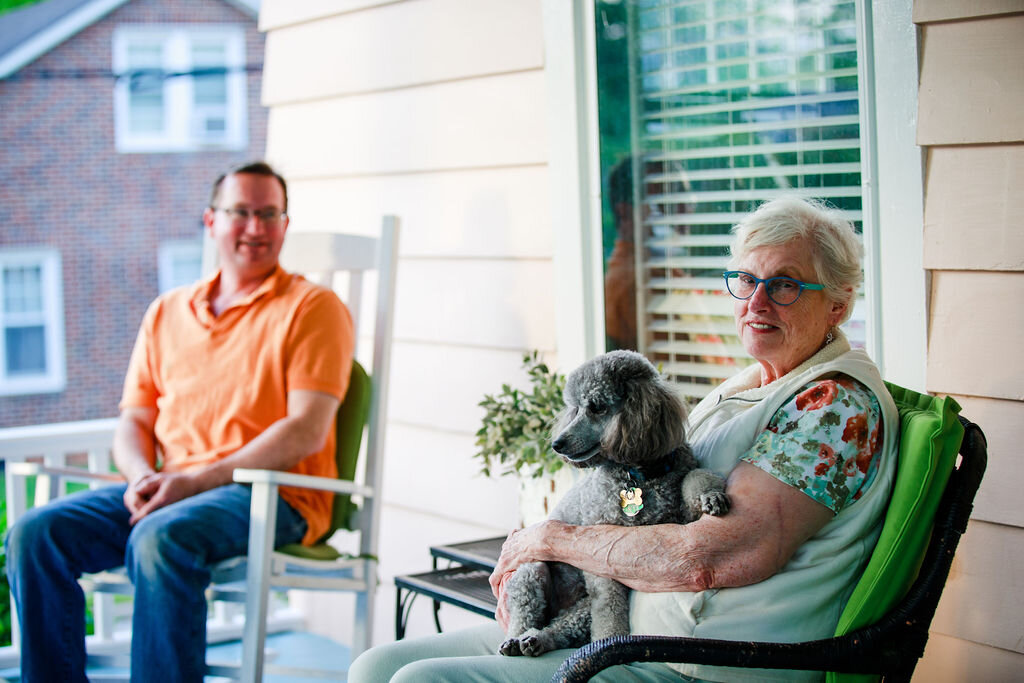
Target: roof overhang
(74,21)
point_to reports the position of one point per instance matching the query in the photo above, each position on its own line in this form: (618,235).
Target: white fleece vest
(804,600)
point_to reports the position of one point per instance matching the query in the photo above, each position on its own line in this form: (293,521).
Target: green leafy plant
(516,432)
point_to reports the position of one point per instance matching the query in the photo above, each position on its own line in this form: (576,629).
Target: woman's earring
(829,338)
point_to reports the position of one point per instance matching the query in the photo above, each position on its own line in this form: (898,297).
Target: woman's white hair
(836,249)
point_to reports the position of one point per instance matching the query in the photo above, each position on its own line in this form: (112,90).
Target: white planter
(538,496)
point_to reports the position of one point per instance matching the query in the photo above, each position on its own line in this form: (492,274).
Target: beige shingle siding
(971,93)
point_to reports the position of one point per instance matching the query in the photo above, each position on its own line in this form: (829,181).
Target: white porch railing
(86,445)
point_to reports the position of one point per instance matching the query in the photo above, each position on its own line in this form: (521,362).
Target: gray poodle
(625,424)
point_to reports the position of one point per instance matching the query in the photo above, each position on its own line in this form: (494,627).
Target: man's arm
(281,446)
(135,450)
(767,521)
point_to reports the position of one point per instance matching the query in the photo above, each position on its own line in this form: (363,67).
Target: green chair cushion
(930,436)
(348,431)
(320,551)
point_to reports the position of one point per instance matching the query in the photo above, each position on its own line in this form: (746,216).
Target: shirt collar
(202,291)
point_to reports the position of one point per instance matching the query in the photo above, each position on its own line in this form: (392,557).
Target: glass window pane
(145,88)
(23,292)
(714,107)
(211,88)
(26,350)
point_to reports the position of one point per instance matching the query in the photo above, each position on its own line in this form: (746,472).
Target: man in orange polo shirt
(245,369)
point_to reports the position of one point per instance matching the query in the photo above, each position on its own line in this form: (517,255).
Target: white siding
(433,110)
(971,92)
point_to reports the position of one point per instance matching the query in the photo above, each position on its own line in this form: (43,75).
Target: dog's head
(618,408)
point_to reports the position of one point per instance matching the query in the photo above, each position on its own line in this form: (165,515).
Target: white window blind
(735,102)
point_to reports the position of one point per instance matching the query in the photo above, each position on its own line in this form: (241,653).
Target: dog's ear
(649,425)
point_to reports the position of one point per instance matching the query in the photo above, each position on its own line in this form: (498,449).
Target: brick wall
(63,185)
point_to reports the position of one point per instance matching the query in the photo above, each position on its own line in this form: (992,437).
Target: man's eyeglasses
(265,216)
(781,289)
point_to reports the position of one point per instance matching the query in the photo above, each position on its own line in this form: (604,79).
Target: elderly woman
(806,437)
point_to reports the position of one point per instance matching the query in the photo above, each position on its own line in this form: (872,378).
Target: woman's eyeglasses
(781,289)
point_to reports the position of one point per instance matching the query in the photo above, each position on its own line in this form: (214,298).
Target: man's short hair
(253,168)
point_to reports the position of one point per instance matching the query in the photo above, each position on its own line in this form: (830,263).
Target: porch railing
(86,446)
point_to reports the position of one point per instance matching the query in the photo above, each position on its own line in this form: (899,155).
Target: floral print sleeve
(824,441)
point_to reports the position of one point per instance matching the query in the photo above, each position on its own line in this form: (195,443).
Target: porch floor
(292,649)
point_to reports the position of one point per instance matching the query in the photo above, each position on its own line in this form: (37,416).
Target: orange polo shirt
(218,381)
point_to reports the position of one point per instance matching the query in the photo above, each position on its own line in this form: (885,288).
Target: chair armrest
(830,654)
(27,469)
(306,481)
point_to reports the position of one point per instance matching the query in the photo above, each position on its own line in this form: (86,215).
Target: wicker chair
(884,628)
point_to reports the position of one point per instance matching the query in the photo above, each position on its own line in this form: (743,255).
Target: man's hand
(132,499)
(157,489)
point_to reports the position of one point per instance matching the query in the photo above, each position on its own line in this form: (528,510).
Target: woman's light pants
(468,656)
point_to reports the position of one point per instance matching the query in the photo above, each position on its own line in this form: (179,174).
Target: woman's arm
(767,522)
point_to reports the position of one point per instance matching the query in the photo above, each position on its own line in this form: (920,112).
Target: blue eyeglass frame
(757,281)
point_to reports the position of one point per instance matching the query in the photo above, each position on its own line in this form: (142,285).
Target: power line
(138,79)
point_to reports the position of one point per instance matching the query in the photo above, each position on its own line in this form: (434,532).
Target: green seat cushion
(320,551)
(929,440)
(348,432)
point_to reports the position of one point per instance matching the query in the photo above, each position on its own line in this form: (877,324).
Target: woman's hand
(501,614)
(521,546)
(499,577)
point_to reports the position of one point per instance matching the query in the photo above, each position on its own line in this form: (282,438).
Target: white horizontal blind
(736,102)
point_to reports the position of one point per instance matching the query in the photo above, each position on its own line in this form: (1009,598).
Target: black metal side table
(463,584)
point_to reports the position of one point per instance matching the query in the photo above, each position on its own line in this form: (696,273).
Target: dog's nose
(559,444)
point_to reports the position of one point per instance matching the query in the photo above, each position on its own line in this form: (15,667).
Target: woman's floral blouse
(823,441)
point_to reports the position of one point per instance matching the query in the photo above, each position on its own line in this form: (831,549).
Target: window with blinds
(31,322)
(180,88)
(728,103)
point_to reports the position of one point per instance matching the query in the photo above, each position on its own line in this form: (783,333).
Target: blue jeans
(168,555)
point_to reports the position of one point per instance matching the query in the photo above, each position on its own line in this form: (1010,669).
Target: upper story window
(180,88)
(31,322)
(706,109)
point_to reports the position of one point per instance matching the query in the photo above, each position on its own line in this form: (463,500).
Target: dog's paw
(510,648)
(714,503)
(532,646)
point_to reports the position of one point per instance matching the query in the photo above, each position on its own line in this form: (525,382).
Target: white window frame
(180,112)
(54,378)
(894,262)
(169,253)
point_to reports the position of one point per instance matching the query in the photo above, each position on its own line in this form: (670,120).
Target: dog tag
(631,501)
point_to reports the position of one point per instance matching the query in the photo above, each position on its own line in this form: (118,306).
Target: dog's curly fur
(624,423)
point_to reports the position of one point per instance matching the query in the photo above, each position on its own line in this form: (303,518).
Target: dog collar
(631,498)
(653,470)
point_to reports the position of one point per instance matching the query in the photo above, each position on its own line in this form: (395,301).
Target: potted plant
(515,438)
